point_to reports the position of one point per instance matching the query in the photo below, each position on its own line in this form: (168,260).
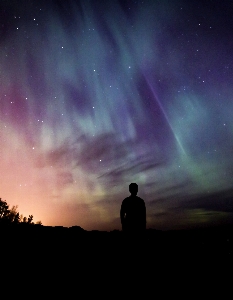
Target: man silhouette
(133,212)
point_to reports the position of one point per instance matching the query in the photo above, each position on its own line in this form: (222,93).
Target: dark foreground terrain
(166,261)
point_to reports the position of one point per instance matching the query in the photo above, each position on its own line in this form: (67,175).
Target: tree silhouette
(30,219)
(4,209)
(12,216)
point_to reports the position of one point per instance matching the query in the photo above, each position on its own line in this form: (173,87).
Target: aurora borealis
(95,95)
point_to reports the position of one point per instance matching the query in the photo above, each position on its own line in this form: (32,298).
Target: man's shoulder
(126,199)
(140,199)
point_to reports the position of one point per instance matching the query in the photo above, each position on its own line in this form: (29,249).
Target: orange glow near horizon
(39,191)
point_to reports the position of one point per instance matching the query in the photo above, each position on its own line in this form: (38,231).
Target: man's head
(133,189)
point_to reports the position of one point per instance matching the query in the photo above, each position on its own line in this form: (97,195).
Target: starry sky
(95,95)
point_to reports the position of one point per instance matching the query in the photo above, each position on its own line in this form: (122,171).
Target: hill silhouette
(110,259)
(73,257)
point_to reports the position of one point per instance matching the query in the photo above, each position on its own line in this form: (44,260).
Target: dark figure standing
(133,212)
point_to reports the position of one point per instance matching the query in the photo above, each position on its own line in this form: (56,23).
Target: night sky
(97,94)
